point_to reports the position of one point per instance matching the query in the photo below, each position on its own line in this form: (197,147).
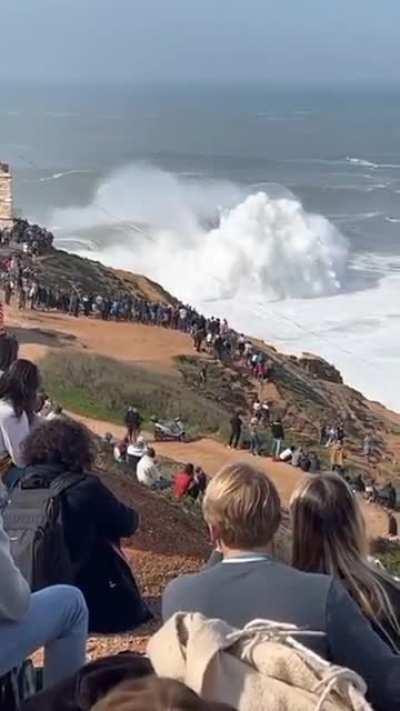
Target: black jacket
(94,522)
(277,430)
(241,592)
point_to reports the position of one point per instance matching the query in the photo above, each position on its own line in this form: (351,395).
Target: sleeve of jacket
(353,643)
(114,520)
(15,593)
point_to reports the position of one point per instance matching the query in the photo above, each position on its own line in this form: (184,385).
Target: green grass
(103,388)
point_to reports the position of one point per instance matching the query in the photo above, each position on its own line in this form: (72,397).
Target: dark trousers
(235,438)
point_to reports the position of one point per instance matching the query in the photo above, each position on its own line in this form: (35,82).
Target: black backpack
(34,522)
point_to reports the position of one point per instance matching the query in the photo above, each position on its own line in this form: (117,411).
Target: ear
(215,536)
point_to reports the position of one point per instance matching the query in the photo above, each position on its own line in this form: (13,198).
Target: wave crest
(265,244)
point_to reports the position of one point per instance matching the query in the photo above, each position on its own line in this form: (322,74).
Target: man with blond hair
(242,511)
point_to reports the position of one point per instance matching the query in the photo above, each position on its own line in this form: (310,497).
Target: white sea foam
(369,164)
(58,176)
(265,243)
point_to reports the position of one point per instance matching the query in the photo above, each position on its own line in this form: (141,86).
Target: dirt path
(134,343)
(212,455)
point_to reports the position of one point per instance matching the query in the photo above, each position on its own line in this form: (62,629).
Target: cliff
(307,391)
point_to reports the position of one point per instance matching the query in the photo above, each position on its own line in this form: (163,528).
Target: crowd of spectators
(328,586)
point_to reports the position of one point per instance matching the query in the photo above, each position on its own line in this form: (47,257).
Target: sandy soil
(147,346)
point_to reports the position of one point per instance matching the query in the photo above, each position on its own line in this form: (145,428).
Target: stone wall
(6,204)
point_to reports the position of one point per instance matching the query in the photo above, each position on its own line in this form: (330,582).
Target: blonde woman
(329,537)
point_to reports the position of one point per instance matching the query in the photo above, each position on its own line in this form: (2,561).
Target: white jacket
(147,471)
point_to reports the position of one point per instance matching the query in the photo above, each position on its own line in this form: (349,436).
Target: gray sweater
(14,590)
(239,592)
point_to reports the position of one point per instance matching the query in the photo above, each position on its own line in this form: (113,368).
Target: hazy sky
(157,40)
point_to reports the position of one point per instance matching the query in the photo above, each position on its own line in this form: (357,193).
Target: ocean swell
(265,244)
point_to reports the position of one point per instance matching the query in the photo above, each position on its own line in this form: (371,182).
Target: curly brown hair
(154,694)
(60,441)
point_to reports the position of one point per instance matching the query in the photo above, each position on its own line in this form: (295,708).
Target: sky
(200,40)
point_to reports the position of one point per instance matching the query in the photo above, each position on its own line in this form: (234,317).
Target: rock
(320,368)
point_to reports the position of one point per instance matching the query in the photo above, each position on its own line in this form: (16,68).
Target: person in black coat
(94,522)
(133,423)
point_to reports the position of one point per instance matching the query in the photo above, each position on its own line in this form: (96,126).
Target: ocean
(278,208)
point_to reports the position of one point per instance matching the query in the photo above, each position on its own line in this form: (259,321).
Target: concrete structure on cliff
(6,202)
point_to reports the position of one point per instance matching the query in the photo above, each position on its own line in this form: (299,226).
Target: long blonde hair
(329,536)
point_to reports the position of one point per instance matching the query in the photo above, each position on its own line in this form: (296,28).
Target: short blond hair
(245,506)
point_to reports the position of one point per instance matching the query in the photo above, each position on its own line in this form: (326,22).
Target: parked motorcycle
(169,430)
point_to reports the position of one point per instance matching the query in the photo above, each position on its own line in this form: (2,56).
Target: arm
(353,644)
(14,431)
(112,518)
(14,591)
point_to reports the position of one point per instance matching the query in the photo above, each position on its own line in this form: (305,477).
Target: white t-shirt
(13,431)
(147,471)
(286,455)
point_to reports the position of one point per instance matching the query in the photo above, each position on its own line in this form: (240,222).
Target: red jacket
(182,484)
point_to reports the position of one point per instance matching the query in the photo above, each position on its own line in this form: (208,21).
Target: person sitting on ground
(94,519)
(19,386)
(305,462)
(287,455)
(236,430)
(120,450)
(200,483)
(184,482)
(148,473)
(55,618)
(153,694)
(133,423)
(296,457)
(243,513)
(329,537)
(8,351)
(278,435)
(135,451)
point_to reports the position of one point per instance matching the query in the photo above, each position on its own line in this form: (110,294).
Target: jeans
(276,450)
(254,444)
(235,439)
(57,620)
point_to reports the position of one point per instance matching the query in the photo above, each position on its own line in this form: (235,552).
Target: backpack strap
(63,482)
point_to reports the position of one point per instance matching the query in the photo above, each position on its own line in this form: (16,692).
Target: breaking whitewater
(258,258)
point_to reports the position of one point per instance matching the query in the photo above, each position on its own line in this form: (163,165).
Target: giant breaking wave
(207,240)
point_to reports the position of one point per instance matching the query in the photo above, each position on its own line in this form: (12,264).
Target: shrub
(103,388)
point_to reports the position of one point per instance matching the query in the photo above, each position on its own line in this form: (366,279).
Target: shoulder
(6,410)
(175,593)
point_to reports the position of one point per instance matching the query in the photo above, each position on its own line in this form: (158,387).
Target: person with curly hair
(94,522)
